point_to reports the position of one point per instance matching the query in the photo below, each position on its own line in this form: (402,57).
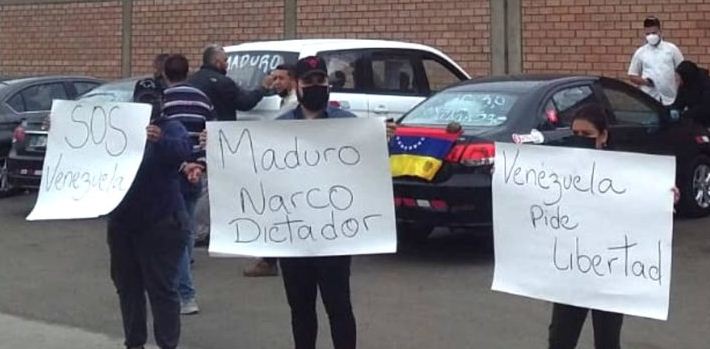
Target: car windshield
(119,91)
(248,68)
(470,109)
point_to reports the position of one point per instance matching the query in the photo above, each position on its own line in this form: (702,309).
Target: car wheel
(695,189)
(413,233)
(6,188)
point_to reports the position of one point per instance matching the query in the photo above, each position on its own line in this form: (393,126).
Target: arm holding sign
(171,142)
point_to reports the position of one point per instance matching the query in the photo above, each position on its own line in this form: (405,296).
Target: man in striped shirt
(192,108)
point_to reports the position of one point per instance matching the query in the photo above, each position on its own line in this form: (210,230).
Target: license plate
(38,142)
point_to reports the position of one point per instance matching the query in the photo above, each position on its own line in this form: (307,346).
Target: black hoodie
(694,94)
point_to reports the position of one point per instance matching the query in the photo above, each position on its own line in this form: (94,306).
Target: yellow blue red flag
(419,152)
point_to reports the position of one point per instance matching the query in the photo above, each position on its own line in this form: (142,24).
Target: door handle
(381,109)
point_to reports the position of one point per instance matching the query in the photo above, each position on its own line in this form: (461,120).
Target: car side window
(631,110)
(438,75)
(343,71)
(16,103)
(39,97)
(393,73)
(82,87)
(568,100)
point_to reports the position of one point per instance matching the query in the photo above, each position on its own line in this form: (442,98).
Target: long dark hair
(595,114)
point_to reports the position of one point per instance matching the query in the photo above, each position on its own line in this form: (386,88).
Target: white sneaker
(189,307)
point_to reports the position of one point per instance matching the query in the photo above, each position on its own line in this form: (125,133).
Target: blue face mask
(581,142)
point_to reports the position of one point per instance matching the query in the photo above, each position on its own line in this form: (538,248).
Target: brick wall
(460,28)
(187,26)
(78,38)
(600,36)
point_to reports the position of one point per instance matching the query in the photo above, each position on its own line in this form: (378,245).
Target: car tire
(413,233)
(6,188)
(695,189)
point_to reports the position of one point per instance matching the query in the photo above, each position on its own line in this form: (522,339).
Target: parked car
(29,140)
(493,109)
(25,99)
(368,77)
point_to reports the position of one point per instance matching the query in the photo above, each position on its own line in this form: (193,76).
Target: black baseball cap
(310,65)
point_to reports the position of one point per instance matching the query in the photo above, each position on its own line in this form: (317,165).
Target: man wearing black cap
(653,65)
(304,276)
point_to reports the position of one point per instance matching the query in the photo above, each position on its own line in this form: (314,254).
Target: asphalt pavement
(55,292)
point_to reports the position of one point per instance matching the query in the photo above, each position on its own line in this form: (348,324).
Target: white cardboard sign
(584,227)
(93,155)
(300,188)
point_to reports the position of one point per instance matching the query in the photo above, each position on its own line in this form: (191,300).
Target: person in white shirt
(285,85)
(653,65)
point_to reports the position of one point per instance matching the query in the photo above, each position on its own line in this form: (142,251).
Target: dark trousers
(302,279)
(145,259)
(567,322)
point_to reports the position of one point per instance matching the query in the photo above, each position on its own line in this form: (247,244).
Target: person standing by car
(285,86)
(653,64)
(591,130)
(693,93)
(147,235)
(192,108)
(224,93)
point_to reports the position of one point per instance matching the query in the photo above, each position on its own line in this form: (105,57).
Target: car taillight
(476,154)
(18,136)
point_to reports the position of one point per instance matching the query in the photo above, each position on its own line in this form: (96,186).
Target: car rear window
(248,68)
(470,109)
(121,91)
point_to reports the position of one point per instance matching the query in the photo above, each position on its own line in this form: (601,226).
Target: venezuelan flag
(419,152)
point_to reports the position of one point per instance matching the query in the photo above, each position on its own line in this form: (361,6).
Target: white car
(368,77)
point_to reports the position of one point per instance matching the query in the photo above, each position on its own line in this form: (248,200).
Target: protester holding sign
(147,235)
(590,128)
(590,131)
(303,276)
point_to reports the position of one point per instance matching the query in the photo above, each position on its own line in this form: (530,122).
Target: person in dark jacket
(154,84)
(693,98)
(147,235)
(224,93)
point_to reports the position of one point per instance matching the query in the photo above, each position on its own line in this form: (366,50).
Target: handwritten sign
(300,188)
(265,62)
(93,155)
(584,227)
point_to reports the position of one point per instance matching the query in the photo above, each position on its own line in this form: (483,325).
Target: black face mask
(581,142)
(314,98)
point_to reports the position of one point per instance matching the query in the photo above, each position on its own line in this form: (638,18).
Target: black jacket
(693,97)
(224,93)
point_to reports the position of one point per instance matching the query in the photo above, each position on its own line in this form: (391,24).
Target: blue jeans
(191,193)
